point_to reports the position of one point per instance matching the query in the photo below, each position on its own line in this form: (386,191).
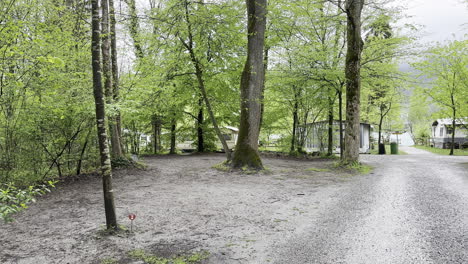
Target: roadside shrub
(14,199)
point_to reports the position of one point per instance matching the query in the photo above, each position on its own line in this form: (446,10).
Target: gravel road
(412,209)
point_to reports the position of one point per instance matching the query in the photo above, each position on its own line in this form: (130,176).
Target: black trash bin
(381,148)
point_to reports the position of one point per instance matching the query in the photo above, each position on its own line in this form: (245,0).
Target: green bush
(14,199)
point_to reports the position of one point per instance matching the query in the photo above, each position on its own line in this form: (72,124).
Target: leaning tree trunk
(109,206)
(353,80)
(253,75)
(201,82)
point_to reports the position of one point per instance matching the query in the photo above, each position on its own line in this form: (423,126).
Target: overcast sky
(441,18)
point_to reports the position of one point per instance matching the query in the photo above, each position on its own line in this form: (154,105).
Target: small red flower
(131,216)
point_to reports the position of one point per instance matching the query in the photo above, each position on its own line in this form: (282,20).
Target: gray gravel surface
(412,209)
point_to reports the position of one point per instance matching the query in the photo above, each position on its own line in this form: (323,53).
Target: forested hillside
(178,71)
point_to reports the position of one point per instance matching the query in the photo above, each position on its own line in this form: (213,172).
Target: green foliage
(14,199)
(46,107)
(140,254)
(446,77)
(47,122)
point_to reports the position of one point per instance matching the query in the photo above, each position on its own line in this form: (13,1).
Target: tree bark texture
(109,206)
(253,75)
(353,80)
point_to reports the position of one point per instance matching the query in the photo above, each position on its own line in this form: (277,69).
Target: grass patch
(456,152)
(276,220)
(195,258)
(361,168)
(108,261)
(318,169)
(223,166)
(355,167)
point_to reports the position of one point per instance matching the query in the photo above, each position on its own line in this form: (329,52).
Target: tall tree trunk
(116,146)
(173,136)
(201,82)
(295,120)
(383,112)
(115,79)
(340,113)
(200,121)
(330,125)
(156,123)
(253,75)
(109,206)
(453,129)
(380,131)
(353,80)
(262,98)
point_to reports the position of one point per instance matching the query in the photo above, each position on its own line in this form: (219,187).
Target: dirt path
(182,205)
(411,209)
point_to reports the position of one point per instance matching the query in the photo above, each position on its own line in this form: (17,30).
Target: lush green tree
(44,95)
(445,69)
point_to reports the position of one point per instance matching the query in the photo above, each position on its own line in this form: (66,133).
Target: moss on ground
(318,169)
(194,258)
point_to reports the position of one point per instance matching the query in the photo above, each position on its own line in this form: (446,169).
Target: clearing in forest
(183,207)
